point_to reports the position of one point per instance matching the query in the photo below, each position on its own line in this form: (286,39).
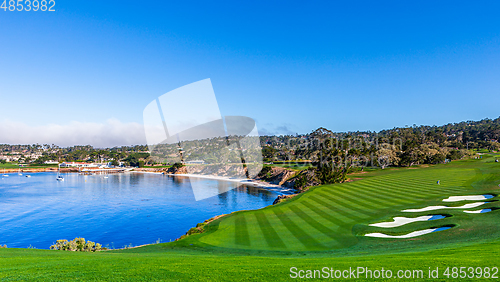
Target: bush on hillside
(265,173)
(455,155)
(77,245)
(177,165)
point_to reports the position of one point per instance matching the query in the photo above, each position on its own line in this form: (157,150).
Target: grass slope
(322,227)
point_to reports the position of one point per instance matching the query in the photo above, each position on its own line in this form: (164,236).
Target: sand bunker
(409,235)
(432,208)
(399,221)
(468,198)
(479,211)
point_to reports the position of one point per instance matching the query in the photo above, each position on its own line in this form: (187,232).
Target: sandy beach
(249,182)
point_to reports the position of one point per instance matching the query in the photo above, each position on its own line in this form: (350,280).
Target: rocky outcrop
(236,171)
(200,227)
(280,198)
(303,180)
(69,169)
(149,169)
(25,169)
(275,175)
(220,170)
(176,170)
(299,180)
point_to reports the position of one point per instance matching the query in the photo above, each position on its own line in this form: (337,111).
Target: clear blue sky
(292,66)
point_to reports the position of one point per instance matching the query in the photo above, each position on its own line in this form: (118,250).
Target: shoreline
(35,170)
(146,172)
(243,181)
(51,169)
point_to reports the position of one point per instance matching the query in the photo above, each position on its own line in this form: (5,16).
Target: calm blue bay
(121,210)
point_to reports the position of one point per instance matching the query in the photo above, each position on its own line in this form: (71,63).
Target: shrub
(454,155)
(265,173)
(177,165)
(435,159)
(193,230)
(77,245)
(301,181)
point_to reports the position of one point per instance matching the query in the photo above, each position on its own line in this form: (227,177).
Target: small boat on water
(27,175)
(59,177)
(5,175)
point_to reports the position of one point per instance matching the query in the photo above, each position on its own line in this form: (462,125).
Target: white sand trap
(468,198)
(399,221)
(432,208)
(479,211)
(409,235)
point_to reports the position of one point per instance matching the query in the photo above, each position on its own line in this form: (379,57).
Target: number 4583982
(28,5)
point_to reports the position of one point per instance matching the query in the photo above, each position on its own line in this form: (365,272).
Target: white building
(196,162)
(78,164)
(14,158)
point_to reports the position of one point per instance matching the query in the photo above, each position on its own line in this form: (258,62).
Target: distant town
(395,147)
(77,156)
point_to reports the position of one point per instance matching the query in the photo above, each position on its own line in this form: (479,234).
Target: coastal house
(9,158)
(33,156)
(79,164)
(195,162)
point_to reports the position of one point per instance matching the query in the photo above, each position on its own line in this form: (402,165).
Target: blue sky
(292,66)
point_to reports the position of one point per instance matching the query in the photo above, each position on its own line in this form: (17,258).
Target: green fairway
(324,226)
(32,166)
(292,166)
(334,217)
(8,166)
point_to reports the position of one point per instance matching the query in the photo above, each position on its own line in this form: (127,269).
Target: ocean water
(121,210)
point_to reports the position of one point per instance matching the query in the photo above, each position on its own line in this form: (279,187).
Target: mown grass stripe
(337,222)
(394,196)
(356,203)
(430,184)
(388,200)
(404,182)
(391,199)
(348,204)
(313,222)
(453,176)
(272,238)
(436,191)
(432,189)
(367,185)
(429,180)
(411,194)
(304,238)
(335,209)
(359,194)
(365,202)
(241,231)
(395,187)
